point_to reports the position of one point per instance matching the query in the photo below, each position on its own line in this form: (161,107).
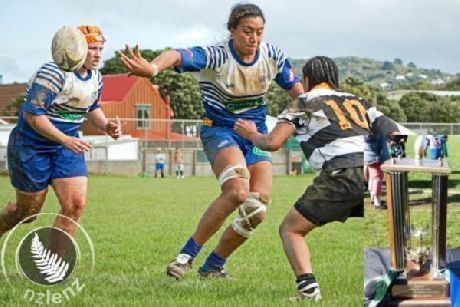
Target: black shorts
(334,196)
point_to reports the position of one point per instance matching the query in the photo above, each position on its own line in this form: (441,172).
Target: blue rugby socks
(191,248)
(213,262)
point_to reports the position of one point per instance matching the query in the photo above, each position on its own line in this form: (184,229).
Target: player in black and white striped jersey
(330,127)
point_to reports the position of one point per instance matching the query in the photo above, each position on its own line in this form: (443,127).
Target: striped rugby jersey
(231,89)
(65,97)
(330,127)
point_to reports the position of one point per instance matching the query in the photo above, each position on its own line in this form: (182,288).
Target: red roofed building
(136,99)
(8,92)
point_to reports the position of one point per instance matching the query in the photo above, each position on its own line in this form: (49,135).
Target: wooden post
(194,162)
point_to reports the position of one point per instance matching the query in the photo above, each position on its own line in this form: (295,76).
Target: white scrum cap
(69,48)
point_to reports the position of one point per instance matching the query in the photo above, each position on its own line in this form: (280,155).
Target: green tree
(398,61)
(426,107)
(454,108)
(374,96)
(387,65)
(452,85)
(12,109)
(391,108)
(277,99)
(419,85)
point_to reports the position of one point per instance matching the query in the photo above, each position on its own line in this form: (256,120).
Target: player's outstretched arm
(272,141)
(139,66)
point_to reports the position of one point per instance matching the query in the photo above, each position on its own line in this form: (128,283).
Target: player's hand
(76,145)
(113,129)
(136,64)
(245,128)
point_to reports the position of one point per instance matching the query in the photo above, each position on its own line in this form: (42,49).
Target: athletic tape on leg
(250,208)
(233,171)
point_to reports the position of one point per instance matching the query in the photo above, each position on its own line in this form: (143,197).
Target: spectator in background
(435,145)
(375,154)
(444,152)
(420,147)
(160,163)
(398,146)
(179,163)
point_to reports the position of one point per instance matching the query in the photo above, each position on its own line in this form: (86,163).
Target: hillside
(388,75)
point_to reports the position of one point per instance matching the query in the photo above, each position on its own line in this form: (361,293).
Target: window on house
(143,116)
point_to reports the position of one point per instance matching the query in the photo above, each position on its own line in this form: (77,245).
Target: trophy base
(440,302)
(420,287)
(419,283)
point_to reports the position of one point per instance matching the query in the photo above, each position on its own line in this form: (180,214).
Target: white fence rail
(183,134)
(434,128)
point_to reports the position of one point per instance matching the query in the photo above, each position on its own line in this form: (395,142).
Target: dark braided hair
(241,10)
(321,69)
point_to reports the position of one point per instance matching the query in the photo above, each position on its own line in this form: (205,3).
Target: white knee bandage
(247,219)
(233,171)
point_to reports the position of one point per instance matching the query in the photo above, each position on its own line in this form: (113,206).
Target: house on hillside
(396,95)
(138,103)
(437,82)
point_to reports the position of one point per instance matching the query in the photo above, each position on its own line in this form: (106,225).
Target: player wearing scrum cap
(44,148)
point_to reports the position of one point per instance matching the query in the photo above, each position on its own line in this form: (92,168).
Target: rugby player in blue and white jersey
(330,127)
(44,148)
(233,77)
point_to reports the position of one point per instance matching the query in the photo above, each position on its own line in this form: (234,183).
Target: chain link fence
(134,153)
(434,128)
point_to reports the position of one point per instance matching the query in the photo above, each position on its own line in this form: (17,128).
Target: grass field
(376,221)
(138,225)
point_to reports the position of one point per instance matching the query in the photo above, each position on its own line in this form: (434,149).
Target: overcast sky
(425,32)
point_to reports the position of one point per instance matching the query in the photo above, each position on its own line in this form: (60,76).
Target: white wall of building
(125,151)
(5,133)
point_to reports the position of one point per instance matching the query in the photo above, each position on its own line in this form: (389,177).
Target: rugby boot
(179,266)
(308,292)
(212,273)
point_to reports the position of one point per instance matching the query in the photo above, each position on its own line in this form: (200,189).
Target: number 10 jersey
(330,126)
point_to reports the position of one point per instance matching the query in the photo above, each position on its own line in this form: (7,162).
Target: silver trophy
(418,251)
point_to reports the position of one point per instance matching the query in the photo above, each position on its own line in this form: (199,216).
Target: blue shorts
(435,153)
(33,168)
(159,166)
(215,139)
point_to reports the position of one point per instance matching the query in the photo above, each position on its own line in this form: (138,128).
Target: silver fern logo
(47,256)
(50,265)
